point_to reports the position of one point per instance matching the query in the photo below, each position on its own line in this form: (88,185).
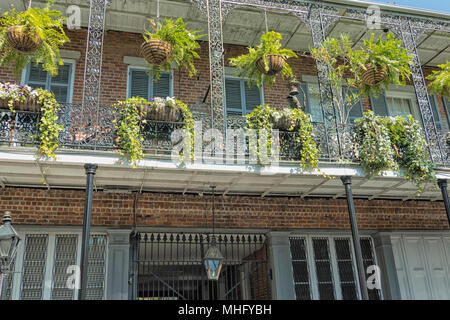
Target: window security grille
(46,258)
(96,267)
(65,256)
(324,268)
(34,266)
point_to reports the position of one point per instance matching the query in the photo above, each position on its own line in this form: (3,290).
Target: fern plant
(269,45)
(388,55)
(184,44)
(48,25)
(440,80)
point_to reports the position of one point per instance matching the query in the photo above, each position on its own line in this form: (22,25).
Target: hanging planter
(262,63)
(160,109)
(156,52)
(22,39)
(373,75)
(275,64)
(30,104)
(32,36)
(170,43)
(381,63)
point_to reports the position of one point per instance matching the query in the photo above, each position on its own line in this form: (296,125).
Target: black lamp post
(213,257)
(9,241)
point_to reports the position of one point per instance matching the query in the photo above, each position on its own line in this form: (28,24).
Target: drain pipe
(443,185)
(347,181)
(90,169)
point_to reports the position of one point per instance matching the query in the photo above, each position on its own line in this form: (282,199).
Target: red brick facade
(65,208)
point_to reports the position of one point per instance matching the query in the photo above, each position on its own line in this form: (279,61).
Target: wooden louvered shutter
(233,99)
(161,88)
(379,105)
(252,97)
(139,84)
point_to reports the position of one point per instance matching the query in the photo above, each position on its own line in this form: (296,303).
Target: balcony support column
(408,30)
(90,169)
(443,185)
(347,181)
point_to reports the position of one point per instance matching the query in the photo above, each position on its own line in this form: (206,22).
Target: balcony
(97,133)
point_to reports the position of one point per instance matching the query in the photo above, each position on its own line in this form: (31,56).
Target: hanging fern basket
(274,62)
(30,105)
(284,123)
(22,39)
(166,114)
(156,51)
(373,75)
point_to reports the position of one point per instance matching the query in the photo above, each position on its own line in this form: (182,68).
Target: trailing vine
(389,143)
(264,117)
(48,123)
(131,120)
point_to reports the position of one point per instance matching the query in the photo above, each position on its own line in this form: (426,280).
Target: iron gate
(168,266)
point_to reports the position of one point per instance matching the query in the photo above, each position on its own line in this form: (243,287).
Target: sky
(437,5)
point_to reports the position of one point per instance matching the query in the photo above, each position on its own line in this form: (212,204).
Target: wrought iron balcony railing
(97,133)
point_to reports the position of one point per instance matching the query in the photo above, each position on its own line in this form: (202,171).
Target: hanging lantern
(9,241)
(213,260)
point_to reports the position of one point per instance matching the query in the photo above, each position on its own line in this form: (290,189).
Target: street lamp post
(9,241)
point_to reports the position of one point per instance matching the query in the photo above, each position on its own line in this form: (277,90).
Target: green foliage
(263,118)
(130,124)
(48,124)
(389,55)
(343,64)
(246,64)
(48,24)
(389,143)
(440,80)
(184,44)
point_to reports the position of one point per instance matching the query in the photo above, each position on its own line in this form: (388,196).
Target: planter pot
(30,105)
(275,62)
(373,76)
(21,40)
(283,123)
(156,51)
(168,114)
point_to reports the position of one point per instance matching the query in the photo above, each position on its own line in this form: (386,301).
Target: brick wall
(65,207)
(114,73)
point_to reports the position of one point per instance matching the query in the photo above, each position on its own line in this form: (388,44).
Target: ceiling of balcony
(243,26)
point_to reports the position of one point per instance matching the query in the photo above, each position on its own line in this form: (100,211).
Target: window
(393,103)
(239,98)
(61,85)
(141,84)
(41,267)
(324,267)
(312,100)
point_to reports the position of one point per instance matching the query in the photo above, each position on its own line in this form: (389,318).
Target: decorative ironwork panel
(320,19)
(90,113)
(19,128)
